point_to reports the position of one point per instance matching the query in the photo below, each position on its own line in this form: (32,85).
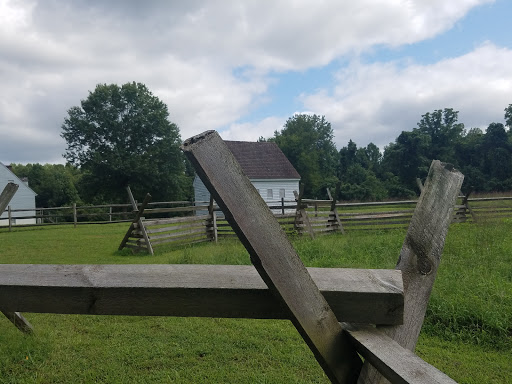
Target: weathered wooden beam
(333,206)
(19,321)
(7,194)
(421,255)
(273,255)
(396,363)
(357,295)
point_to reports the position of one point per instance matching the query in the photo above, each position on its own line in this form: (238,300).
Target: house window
(270,195)
(282,193)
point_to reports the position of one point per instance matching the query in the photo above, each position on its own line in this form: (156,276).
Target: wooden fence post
(465,202)
(420,256)
(9,216)
(333,207)
(6,196)
(419,184)
(301,216)
(74,215)
(213,217)
(273,255)
(19,321)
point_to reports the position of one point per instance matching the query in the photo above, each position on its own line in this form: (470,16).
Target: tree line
(122,135)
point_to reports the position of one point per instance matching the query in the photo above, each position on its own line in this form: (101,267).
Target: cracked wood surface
(421,255)
(273,255)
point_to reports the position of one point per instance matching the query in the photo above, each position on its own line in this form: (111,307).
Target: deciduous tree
(307,141)
(121,135)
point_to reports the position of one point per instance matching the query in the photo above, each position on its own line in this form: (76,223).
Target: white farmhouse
(266,166)
(25,198)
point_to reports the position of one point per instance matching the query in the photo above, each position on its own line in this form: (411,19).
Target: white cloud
(188,53)
(375,102)
(253,131)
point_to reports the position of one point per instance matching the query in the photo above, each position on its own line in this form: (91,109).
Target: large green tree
(307,141)
(444,131)
(358,170)
(119,136)
(436,137)
(408,158)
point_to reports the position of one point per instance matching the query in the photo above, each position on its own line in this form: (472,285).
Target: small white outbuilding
(266,166)
(25,198)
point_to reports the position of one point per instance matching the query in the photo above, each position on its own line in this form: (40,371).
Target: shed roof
(7,171)
(262,160)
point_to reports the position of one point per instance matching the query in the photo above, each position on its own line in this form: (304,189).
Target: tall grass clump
(472,297)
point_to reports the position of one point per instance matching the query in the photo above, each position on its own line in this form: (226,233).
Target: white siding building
(266,166)
(25,198)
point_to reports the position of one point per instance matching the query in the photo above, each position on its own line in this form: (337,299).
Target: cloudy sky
(372,67)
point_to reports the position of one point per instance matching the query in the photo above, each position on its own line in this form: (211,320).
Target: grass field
(467,331)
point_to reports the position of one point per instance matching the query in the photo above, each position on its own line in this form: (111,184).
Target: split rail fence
(187,222)
(285,289)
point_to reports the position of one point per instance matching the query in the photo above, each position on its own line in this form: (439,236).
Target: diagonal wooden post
(6,196)
(273,255)
(19,321)
(138,220)
(333,207)
(213,220)
(302,214)
(465,202)
(421,255)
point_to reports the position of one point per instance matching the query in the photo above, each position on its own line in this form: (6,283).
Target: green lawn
(467,331)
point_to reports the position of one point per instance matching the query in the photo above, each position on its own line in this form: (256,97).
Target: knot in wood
(424,265)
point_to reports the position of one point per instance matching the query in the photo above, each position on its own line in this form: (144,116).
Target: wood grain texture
(19,321)
(7,194)
(399,365)
(421,254)
(371,296)
(272,254)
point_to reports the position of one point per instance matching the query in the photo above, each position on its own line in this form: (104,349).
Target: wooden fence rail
(313,217)
(387,349)
(191,290)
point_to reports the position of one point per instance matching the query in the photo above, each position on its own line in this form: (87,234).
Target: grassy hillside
(467,332)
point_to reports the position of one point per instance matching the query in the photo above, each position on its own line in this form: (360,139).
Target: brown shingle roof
(262,160)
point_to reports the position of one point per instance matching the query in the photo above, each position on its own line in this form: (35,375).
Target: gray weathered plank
(19,321)
(152,222)
(357,295)
(7,194)
(273,255)
(193,231)
(421,254)
(399,365)
(178,228)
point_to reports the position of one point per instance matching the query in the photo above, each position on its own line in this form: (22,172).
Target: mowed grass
(467,331)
